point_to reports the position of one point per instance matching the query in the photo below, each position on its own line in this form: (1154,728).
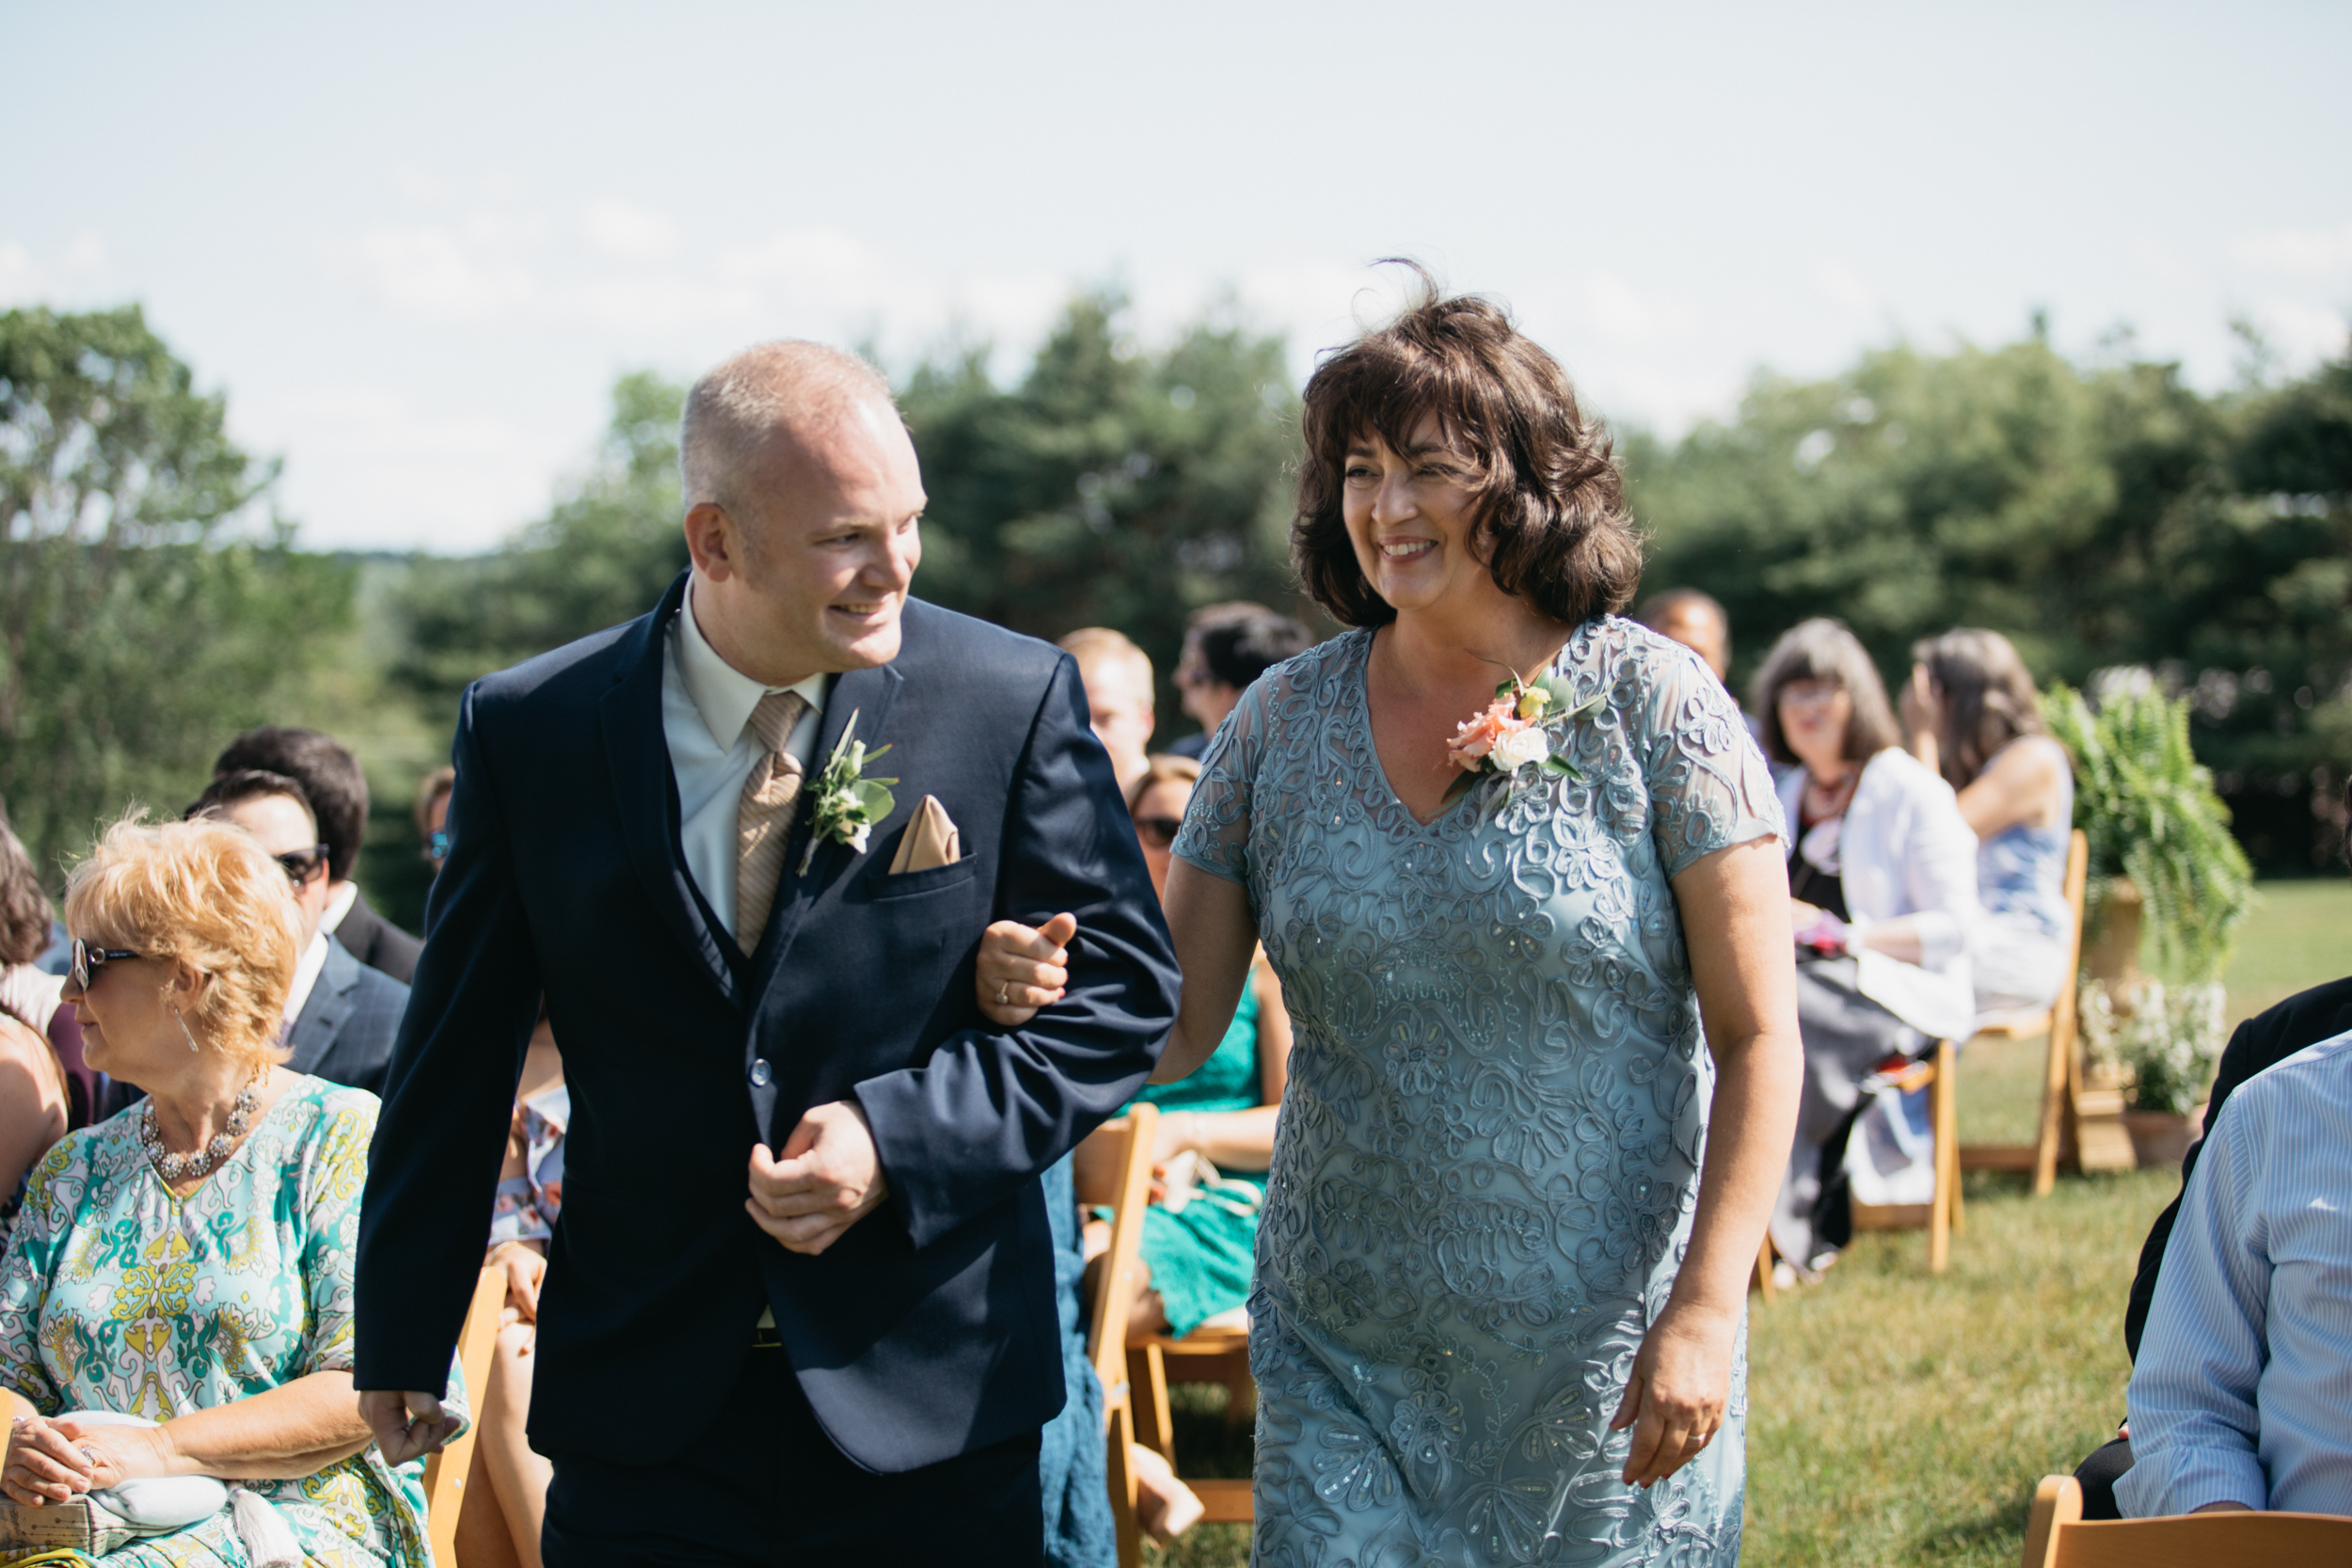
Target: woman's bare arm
(1217,936)
(32,1101)
(1735,918)
(2021,785)
(284,1434)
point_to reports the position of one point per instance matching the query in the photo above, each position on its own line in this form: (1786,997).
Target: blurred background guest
(1215,1128)
(1118,678)
(432,792)
(1974,716)
(1226,647)
(506,1492)
(338,793)
(1883,884)
(341,1017)
(247,1178)
(36,1101)
(1693,619)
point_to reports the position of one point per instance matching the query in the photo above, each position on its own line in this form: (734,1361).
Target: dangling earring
(184,1029)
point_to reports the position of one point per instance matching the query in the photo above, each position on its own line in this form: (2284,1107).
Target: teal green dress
(1199,1255)
(116,1295)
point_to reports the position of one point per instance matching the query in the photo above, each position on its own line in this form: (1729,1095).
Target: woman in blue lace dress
(1517,1189)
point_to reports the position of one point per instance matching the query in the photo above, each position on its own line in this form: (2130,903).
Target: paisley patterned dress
(116,1295)
(1488,1160)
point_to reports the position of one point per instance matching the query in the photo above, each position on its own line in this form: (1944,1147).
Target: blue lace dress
(1488,1160)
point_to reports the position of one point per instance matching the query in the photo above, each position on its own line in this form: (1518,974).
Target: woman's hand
(1680,1386)
(526,1270)
(50,1462)
(1023,968)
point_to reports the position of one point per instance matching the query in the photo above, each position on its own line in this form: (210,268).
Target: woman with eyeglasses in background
(188,1262)
(1882,885)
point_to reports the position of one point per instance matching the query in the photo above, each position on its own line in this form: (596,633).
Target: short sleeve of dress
(335,1178)
(1215,835)
(41,1226)
(1709,786)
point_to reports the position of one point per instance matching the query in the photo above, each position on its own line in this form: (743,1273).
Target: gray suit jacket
(345,1031)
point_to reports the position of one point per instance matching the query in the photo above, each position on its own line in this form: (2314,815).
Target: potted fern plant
(2165,879)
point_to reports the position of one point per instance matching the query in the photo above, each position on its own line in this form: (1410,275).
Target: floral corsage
(843,803)
(1525,726)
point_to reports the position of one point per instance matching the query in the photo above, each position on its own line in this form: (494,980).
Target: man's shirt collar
(723,695)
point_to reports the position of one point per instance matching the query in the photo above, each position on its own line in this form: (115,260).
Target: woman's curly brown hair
(1551,518)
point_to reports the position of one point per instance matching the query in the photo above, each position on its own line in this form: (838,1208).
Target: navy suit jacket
(345,1031)
(929,1329)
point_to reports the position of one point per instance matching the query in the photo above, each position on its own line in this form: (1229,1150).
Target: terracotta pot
(2161,1138)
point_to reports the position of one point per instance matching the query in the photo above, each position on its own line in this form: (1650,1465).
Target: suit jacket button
(761,1072)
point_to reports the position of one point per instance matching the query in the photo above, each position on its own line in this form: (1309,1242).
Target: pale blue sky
(415,244)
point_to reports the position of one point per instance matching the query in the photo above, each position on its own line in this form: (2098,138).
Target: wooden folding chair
(1942,1213)
(445,1472)
(2071,1114)
(1114,1171)
(1204,1355)
(1762,1281)
(2057,1536)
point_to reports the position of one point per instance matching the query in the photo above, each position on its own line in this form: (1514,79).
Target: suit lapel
(329,1007)
(645,793)
(869,695)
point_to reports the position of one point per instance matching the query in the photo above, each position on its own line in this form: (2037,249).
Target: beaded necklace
(180,1167)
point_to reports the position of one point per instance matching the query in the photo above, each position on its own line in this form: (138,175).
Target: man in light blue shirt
(2242,1395)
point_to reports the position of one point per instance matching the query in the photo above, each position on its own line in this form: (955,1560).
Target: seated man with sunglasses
(341,1017)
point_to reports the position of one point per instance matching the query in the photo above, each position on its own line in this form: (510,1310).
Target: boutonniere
(1525,726)
(845,804)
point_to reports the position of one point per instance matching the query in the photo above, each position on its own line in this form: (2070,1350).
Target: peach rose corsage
(1517,731)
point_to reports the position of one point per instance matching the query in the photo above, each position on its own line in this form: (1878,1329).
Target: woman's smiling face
(1409,515)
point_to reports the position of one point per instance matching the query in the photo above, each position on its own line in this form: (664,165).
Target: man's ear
(712,540)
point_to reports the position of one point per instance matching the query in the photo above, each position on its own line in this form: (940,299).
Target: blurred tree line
(2102,513)
(150,606)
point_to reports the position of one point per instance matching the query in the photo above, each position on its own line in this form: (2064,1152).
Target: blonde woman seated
(1975,717)
(507,1494)
(1883,888)
(188,1262)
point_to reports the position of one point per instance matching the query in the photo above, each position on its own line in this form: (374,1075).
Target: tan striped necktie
(763,818)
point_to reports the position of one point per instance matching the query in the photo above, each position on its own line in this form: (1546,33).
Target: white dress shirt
(705,717)
(338,906)
(306,979)
(2245,1374)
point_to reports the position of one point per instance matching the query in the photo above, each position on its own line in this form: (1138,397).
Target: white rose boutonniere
(843,803)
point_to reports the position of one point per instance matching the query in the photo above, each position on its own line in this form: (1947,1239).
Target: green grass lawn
(1897,1419)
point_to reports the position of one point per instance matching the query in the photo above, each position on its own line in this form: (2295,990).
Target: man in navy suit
(799,1304)
(343,1016)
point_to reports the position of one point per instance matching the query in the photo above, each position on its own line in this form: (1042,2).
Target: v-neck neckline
(1371,744)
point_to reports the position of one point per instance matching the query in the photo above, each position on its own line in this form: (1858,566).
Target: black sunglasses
(88,960)
(300,864)
(1158,832)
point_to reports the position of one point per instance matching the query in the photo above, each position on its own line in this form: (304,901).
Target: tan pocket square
(930,841)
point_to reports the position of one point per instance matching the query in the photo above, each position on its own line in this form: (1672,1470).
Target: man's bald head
(737,405)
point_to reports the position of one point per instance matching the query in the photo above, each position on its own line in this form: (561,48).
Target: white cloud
(2314,253)
(2301,333)
(73,274)
(370,469)
(433,272)
(627,233)
(1838,283)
